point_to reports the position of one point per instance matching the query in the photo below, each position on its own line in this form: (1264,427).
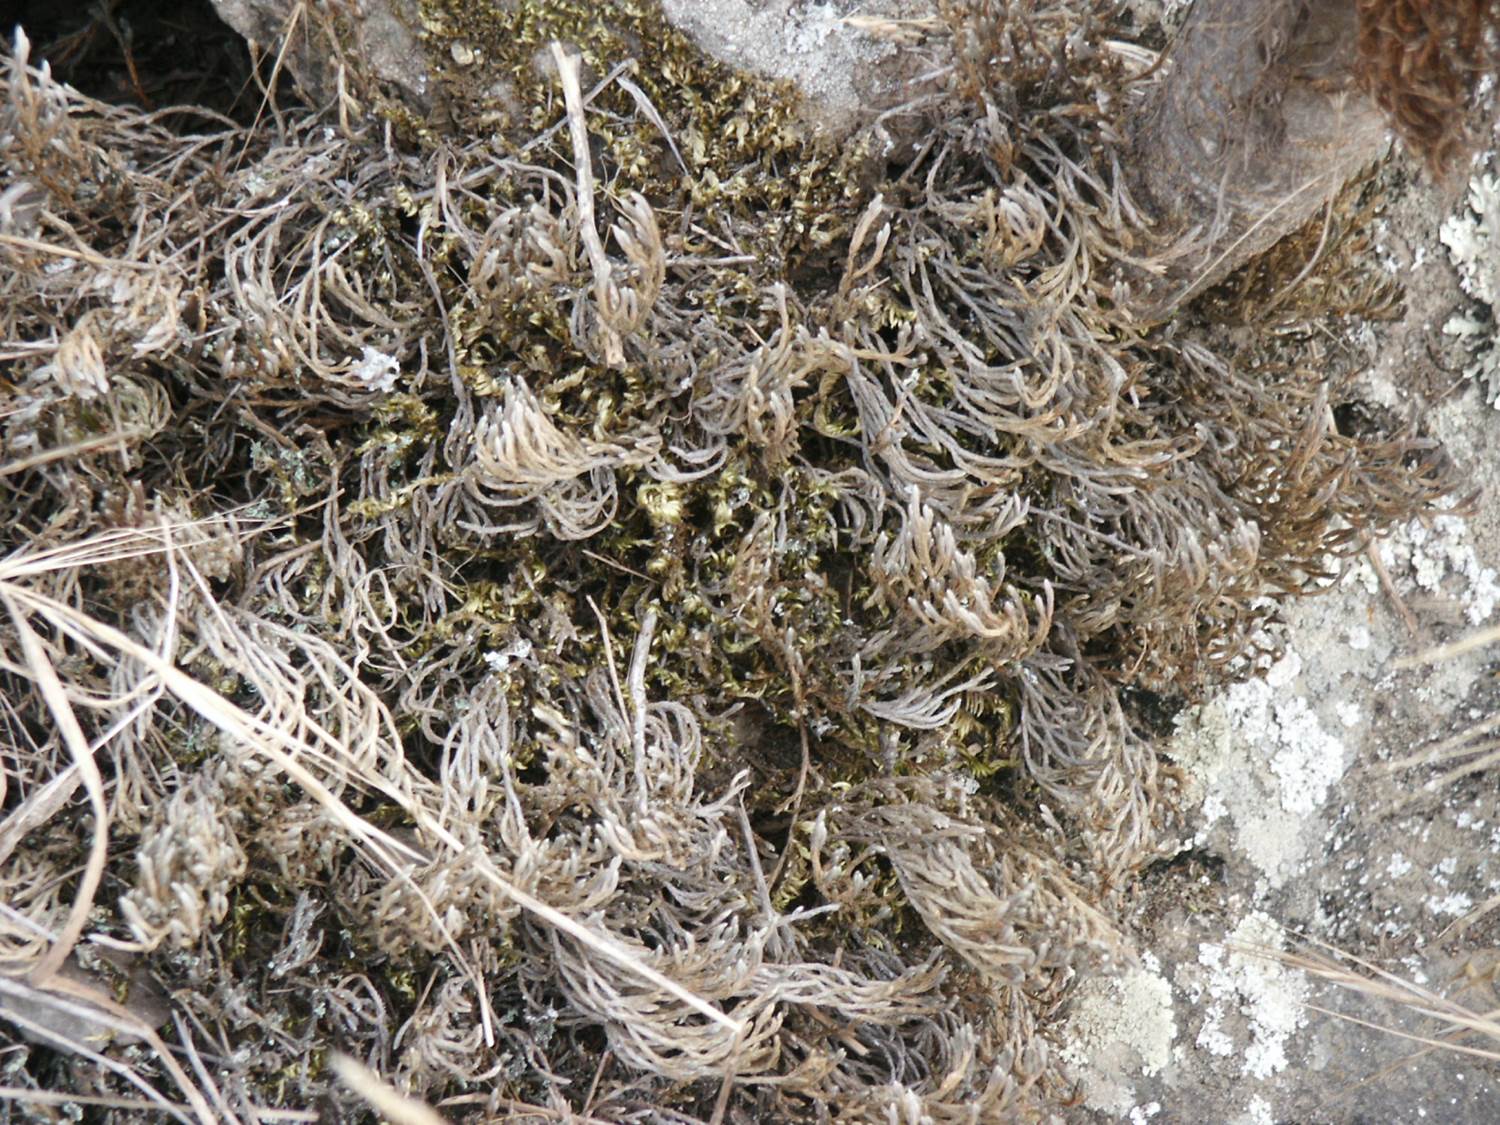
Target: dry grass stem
(1455,1022)
(1480,638)
(391,1105)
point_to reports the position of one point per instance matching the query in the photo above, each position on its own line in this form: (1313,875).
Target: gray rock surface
(384,39)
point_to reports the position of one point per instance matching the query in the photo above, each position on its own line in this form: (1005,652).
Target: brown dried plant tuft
(1422,60)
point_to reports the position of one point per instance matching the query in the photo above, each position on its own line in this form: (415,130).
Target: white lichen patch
(1472,237)
(1252,1005)
(1452,905)
(1438,556)
(1259,755)
(1120,1029)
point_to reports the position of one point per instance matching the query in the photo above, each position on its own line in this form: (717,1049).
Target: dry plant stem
(794,803)
(1377,564)
(643,103)
(1453,746)
(77,449)
(1427,1041)
(1436,754)
(392,1105)
(1489,754)
(37,809)
(205,1079)
(45,1034)
(1459,925)
(286,36)
(1270,223)
(78,255)
(604,1060)
(905,31)
(1370,980)
(56,696)
(604,291)
(1306,271)
(102,14)
(120,545)
(726,1087)
(1482,638)
(1483,755)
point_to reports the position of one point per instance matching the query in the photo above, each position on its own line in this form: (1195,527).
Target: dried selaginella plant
(596,601)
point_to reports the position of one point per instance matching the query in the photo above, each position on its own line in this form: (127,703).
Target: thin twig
(1377,564)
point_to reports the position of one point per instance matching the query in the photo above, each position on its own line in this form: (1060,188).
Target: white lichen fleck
(1267,994)
(1454,905)
(375,370)
(1472,237)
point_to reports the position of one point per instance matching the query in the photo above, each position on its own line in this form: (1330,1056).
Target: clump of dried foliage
(592,600)
(1419,59)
